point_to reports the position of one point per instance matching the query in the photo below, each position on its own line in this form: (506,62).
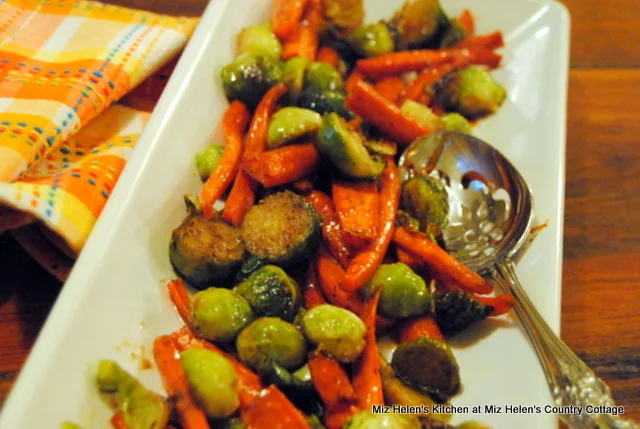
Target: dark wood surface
(601,295)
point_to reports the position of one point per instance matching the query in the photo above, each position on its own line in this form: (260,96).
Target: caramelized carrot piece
(330,380)
(493,40)
(330,274)
(420,327)
(331,229)
(329,56)
(428,77)
(117,421)
(357,206)
(180,297)
(501,304)
(390,87)
(283,165)
(286,16)
(353,80)
(467,21)
(304,42)
(335,417)
(313,296)
(272,410)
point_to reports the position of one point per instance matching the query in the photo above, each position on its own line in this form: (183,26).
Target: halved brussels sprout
(258,40)
(421,113)
(418,22)
(324,102)
(455,310)
(371,40)
(249,77)
(426,199)
(293,74)
(455,122)
(208,159)
(271,339)
(345,14)
(323,77)
(290,123)
(219,314)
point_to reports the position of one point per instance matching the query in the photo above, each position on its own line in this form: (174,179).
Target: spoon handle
(572,382)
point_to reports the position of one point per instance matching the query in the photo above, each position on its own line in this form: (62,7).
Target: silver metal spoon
(490,218)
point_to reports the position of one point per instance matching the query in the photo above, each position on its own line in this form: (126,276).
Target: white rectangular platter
(115,299)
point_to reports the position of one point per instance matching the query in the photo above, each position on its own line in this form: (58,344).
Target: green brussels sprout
(404,293)
(249,77)
(282,229)
(271,339)
(233,423)
(323,77)
(455,310)
(455,122)
(368,420)
(141,408)
(219,314)
(205,252)
(344,14)
(345,149)
(289,123)
(471,91)
(271,292)
(258,40)
(324,102)
(418,23)
(208,160)
(213,382)
(70,425)
(383,148)
(428,365)
(371,40)
(426,199)
(421,113)
(335,331)
(472,425)
(293,73)
(454,33)
(405,219)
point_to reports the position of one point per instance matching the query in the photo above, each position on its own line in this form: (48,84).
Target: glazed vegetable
(344,14)
(270,338)
(455,122)
(273,410)
(331,229)
(213,382)
(293,74)
(357,205)
(329,56)
(180,298)
(249,77)
(290,123)
(493,40)
(204,252)
(286,16)
(471,92)
(141,408)
(420,327)
(219,314)
(283,165)
(335,331)
(429,365)
(455,310)
(330,380)
(421,113)
(426,199)
(258,40)
(345,149)
(324,102)
(271,292)
(404,293)
(208,160)
(323,77)
(418,22)
(371,40)
(368,420)
(391,87)
(282,229)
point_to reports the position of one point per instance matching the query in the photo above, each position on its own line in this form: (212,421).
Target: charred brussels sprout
(290,123)
(345,149)
(344,14)
(282,229)
(336,331)
(219,314)
(371,40)
(421,113)
(324,102)
(455,310)
(368,420)
(455,122)
(206,252)
(429,365)
(258,40)
(213,382)
(293,73)
(249,76)
(271,339)
(404,293)
(323,77)
(471,92)
(208,160)
(271,292)
(141,408)
(454,33)
(418,22)
(426,199)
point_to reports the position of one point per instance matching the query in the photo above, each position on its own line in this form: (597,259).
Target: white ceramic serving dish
(115,300)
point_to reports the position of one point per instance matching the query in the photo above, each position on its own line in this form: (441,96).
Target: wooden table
(601,299)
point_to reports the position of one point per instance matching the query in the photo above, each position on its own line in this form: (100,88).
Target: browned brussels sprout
(249,77)
(259,40)
(418,22)
(344,14)
(271,339)
(426,199)
(371,40)
(455,310)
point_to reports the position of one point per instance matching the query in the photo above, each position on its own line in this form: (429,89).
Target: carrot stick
(357,206)
(329,56)
(366,102)
(390,87)
(303,44)
(249,384)
(175,382)
(493,40)
(409,259)
(501,303)
(242,195)
(117,421)
(336,416)
(283,165)
(330,380)
(303,186)
(440,262)
(180,297)
(272,410)
(428,77)
(286,16)
(353,80)
(467,21)
(330,274)
(366,372)
(233,124)
(420,327)
(311,291)
(331,229)
(364,265)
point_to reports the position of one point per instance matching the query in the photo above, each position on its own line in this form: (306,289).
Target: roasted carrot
(242,195)
(416,89)
(331,229)
(286,16)
(366,372)
(303,186)
(409,259)
(420,327)
(313,296)
(180,297)
(440,261)
(234,122)
(117,421)
(357,206)
(331,274)
(365,264)
(330,380)
(175,382)
(329,56)
(467,21)
(353,80)
(337,416)
(493,40)
(365,101)
(303,44)
(272,410)
(390,87)
(283,165)
(501,303)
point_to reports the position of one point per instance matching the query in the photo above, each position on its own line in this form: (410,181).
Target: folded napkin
(63,143)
